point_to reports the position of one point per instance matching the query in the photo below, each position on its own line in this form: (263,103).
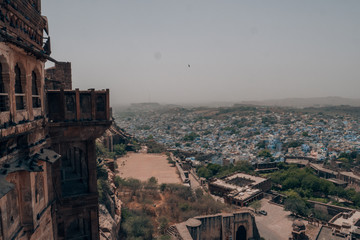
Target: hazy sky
(237,50)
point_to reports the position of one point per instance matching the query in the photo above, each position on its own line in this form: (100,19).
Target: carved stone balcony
(23,20)
(78,106)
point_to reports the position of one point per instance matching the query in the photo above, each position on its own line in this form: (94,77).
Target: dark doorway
(241,233)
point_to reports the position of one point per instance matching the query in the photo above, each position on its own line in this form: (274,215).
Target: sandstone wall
(59,76)
(218,226)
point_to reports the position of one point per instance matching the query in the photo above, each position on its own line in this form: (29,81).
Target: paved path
(193,182)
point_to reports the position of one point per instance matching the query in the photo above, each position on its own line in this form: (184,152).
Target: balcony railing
(75,105)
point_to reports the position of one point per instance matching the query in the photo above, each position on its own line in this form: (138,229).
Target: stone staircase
(173,233)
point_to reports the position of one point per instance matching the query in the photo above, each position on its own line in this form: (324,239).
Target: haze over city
(206,51)
(227,120)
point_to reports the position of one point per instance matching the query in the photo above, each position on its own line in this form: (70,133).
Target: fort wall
(238,225)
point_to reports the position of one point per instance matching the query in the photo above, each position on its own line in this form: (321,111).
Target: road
(193,183)
(276,225)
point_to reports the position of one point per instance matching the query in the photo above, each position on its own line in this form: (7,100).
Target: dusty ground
(277,225)
(143,166)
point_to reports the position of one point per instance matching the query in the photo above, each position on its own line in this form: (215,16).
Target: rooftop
(350,222)
(350,174)
(255,180)
(337,181)
(240,185)
(326,233)
(321,168)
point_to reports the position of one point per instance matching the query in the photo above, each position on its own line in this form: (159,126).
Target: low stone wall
(332,209)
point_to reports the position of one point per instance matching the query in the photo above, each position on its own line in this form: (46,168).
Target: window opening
(19,91)
(35,91)
(4,106)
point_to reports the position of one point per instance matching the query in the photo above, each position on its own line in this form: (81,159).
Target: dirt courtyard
(277,225)
(143,166)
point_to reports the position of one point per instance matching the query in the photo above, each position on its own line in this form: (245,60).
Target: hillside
(307,102)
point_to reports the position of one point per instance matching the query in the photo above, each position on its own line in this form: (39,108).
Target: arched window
(19,90)
(4,102)
(35,91)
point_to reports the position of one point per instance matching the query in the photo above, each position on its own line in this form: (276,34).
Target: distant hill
(307,102)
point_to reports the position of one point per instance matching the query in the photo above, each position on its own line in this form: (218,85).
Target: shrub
(162,187)
(102,151)
(118,181)
(136,225)
(190,137)
(151,183)
(163,224)
(120,149)
(103,192)
(154,147)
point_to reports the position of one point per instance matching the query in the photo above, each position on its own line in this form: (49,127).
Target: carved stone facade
(237,226)
(48,184)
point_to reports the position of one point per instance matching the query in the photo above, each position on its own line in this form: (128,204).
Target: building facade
(239,225)
(48,184)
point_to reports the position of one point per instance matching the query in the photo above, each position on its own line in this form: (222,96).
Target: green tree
(120,149)
(256,205)
(204,172)
(154,147)
(162,187)
(296,205)
(261,144)
(264,153)
(244,166)
(102,151)
(190,137)
(152,183)
(305,134)
(214,168)
(295,144)
(118,181)
(291,182)
(138,227)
